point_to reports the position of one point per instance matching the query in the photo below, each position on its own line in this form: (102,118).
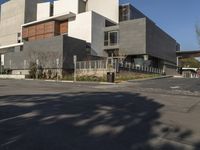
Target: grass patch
(119,78)
(91,78)
(68,77)
(85,78)
(135,76)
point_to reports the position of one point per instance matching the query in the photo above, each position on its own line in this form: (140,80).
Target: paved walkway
(37,115)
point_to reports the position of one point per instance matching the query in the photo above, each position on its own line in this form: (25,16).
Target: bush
(40,72)
(91,78)
(49,73)
(68,77)
(134,76)
(33,70)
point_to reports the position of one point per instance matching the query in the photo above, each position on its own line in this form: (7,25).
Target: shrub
(68,77)
(49,73)
(33,70)
(91,78)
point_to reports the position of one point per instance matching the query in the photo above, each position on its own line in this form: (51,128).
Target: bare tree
(47,60)
(197,27)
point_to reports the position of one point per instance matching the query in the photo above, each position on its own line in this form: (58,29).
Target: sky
(176,17)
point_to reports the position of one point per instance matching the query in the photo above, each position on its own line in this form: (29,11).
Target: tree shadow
(81,121)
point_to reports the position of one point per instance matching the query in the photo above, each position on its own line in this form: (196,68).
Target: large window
(111,38)
(106,39)
(124,13)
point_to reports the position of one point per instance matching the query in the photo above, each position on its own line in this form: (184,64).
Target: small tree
(49,74)
(40,72)
(33,70)
(190,62)
(198,32)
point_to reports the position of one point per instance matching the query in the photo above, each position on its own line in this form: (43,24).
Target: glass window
(111,38)
(106,39)
(124,13)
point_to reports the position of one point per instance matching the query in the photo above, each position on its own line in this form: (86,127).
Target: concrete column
(146,57)
(177,61)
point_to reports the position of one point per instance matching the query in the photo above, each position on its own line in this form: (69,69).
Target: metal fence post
(75,60)
(37,65)
(24,65)
(57,66)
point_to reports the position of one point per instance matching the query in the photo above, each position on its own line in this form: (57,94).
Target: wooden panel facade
(64,27)
(39,37)
(25,33)
(50,27)
(44,30)
(31,31)
(40,29)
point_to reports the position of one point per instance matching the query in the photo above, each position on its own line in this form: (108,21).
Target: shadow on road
(79,121)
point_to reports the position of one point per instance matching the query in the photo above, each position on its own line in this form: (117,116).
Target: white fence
(94,68)
(96,64)
(12,76)
(101,67)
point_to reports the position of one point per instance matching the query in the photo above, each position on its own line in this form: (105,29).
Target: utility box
(111,77)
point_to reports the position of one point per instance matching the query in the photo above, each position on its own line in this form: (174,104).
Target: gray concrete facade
(130,13)
(47,51)
(159,44)
(132,37)
(31,10)
(143,37)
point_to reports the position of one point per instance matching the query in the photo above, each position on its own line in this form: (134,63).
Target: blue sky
(176,17)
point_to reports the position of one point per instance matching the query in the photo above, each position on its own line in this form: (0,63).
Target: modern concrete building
(13,14)
(64,28)
(141,40)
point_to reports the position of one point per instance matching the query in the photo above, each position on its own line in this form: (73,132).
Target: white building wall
(107,8)
(2,59)
(12,17)
(89,26)
(63,6)
(43,10)
(80,27)
(0,14)
(98,25)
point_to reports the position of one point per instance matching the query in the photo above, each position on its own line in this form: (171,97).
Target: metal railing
(94,64)
(110,65)
(138,68)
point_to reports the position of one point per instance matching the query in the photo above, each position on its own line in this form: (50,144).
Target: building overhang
(111,28)
(190,69)
(60,17)
(9,48)
(188,54)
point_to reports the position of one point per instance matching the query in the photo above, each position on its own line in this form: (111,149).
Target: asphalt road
(157,114)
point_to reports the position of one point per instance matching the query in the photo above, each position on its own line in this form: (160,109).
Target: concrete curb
(178,76)
(101,83)
(147,79)
(104,83)
(80,82)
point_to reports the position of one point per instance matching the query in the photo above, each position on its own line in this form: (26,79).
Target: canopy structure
(188,54)
(9,48)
